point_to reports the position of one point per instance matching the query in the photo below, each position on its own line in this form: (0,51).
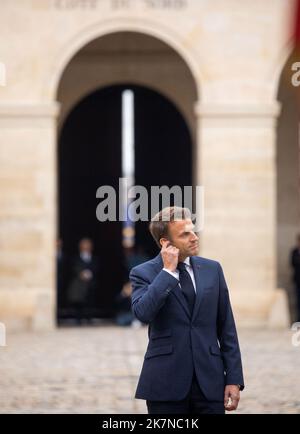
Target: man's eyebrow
(188,229)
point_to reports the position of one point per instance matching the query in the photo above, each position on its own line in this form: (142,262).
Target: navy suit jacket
(180,342)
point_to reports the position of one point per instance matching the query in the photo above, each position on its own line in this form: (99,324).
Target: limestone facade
(219,61)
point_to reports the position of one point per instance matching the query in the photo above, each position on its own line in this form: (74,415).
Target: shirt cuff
(173,273)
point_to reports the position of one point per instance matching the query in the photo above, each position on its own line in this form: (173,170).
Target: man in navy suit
(193,361)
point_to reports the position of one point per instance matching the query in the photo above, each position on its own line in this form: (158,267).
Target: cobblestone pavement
(95,370)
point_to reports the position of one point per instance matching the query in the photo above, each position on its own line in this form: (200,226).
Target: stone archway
(129,57)
(109,26)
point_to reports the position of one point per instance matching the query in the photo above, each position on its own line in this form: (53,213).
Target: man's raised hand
(169,255)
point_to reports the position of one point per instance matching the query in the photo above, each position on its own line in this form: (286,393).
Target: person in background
(84,281)
(124,315)
(295,264)
(61,274)
(134,256)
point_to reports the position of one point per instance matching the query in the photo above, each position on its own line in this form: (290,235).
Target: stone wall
(234,51)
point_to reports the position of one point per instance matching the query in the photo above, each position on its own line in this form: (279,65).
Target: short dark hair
(159,226)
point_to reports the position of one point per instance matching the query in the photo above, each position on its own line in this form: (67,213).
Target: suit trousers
(194,403)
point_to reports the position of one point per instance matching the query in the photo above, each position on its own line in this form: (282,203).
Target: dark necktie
(187,286)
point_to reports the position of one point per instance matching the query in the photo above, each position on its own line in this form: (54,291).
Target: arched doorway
(89,145)
(89,93)
(288,179)
(90,156)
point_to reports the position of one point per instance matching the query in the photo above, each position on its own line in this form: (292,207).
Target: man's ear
(162,241)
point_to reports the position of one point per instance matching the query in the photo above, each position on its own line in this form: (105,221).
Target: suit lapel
(181,298)
(175,291)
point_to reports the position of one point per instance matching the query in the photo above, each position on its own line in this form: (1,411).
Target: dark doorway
(163,150)
(89,156)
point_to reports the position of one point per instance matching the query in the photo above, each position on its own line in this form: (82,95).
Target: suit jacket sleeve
(227,336)
(149,297)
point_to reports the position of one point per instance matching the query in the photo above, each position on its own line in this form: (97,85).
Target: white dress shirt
(86,256)
(188,267)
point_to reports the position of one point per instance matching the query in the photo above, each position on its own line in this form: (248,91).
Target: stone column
(27,215)
(236,165)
